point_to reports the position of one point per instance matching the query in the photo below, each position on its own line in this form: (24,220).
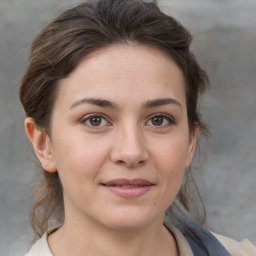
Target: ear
(41,143)
(191,147)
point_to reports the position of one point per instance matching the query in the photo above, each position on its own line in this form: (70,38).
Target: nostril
(130,163)
(120,162)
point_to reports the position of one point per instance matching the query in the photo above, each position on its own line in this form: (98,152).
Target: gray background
(225,43)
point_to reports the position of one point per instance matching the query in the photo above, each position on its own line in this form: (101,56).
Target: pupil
(157,121)
(95,121)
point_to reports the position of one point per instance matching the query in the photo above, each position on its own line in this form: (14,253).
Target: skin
(138,130)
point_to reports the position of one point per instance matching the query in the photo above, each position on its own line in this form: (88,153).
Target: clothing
(244,248)
(201,241)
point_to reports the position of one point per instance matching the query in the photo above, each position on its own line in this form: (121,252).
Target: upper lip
(131,182)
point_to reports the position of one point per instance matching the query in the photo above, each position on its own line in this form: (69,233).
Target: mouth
(128,188)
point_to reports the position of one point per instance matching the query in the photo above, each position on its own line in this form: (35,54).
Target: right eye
(95,121)
(160,121)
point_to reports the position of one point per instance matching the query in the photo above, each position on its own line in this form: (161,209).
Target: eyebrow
(107,103)
(98,102)
(161,102)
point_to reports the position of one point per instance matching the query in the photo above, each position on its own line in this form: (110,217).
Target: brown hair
(59,48)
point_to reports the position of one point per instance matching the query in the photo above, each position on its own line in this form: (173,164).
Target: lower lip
(129,191)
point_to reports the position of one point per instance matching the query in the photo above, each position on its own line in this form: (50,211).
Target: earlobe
(41,143)
(191,147)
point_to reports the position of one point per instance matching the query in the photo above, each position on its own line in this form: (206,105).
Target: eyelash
(170,120)
(88,118)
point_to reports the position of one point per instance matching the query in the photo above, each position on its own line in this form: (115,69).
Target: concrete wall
(225,43)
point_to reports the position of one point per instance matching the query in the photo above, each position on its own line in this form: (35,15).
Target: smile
(128,188)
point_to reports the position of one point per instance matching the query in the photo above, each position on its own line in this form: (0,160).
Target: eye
(95,121)
(160,120)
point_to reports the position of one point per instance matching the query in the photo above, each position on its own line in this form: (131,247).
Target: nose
(129,147)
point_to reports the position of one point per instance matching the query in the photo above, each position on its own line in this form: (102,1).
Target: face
(119,137)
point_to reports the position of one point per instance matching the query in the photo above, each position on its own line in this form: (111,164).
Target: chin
(129,220)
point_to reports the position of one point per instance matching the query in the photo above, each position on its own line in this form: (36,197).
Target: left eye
(95,121)
(160,121)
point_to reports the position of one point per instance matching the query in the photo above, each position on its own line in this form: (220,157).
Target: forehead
(137,71)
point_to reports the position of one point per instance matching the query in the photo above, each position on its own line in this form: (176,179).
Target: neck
(80,238)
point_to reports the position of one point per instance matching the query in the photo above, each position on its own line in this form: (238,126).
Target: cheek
(170,166)
(79,160)
(172,154)
(170,160)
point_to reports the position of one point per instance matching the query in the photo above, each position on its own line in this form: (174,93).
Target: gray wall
(225,43)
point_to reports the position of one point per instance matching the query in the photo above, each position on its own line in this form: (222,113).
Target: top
(244,248)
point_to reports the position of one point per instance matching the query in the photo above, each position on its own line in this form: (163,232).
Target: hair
(58,49)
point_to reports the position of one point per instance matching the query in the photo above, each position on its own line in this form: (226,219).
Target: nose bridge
(129,146)
(132,137)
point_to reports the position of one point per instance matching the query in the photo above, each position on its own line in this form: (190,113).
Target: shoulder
(40,248)
(235,248)
(204,242)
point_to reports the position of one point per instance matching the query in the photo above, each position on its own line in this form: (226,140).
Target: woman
(111,96)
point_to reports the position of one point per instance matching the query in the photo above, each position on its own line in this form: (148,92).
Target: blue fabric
(202,242)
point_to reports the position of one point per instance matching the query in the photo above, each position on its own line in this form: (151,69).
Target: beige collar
(182,243)
(41,247)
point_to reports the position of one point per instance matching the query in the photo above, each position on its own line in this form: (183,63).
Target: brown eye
(157,121)
(95,121)
(161,120)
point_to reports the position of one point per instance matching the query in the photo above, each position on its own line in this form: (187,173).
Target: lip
(128,188)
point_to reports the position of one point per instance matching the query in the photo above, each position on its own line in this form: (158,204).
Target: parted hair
(62,44)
